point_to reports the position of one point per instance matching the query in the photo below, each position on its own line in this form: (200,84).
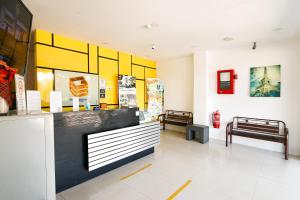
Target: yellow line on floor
(137,171)
(179,190)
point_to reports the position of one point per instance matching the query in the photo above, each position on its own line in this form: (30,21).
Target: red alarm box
(226,81)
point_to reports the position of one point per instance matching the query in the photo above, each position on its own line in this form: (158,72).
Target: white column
(200,89)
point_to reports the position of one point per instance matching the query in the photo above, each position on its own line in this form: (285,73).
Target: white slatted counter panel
(110,146)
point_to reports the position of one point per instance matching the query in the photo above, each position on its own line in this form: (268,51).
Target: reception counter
(43,154)
(90,143)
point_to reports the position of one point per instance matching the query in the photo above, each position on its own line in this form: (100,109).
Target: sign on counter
(20,93)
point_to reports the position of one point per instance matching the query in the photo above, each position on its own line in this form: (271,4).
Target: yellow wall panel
(108,53)
(124,63)
(45,82)
(44,37)
(70,109)
(63,59)
(46,109)
(93,58)
(140,85)
(146,94)
(55,58)
(150,73)
(143,61)
(138,72)
(64,42)
(108,70)
(111,107)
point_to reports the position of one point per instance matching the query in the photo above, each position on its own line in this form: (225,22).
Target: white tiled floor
(233,173)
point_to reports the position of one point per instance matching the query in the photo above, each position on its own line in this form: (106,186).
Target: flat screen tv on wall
(15,27)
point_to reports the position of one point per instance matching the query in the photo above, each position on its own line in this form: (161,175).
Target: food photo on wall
(74,84)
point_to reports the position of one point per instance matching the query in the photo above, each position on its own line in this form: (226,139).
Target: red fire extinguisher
(216,119)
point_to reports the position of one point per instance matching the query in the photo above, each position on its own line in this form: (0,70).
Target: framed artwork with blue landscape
(265,81)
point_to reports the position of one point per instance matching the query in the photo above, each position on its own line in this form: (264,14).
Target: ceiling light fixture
(153,47)
(150,26)
(254,46)
(277,29)
(228,39)
(195,46)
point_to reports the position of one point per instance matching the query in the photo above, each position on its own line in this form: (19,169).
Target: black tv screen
(15,27)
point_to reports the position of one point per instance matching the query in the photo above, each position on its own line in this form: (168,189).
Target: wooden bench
(179,118)
(263,129)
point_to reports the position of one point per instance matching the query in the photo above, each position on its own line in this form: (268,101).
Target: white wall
(286,108)
(200,101)
(177,75)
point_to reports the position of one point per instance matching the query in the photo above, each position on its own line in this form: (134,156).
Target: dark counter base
(70,142)
(72,181)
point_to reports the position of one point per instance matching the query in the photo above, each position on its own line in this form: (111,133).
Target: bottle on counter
(87,104)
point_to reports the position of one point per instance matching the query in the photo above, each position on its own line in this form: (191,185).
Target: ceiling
(181,26)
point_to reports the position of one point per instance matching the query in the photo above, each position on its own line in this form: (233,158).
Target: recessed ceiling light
(277,29)
(153,47)
(195,46)
(228,39)
(150,26)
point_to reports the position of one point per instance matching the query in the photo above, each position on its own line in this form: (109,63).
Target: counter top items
(4,107)
(194,130)
(75,103)
(263,129)
(33,100)
(20,93)
(103,106)
(180,118)
(87,104)
(55,101)
(145,116)
(7,74)
(96,108)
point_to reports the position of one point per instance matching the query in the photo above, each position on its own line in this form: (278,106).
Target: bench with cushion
(180,118)
(264,129)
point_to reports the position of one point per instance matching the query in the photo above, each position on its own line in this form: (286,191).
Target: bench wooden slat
(255,131)
(256,127)
(271,138)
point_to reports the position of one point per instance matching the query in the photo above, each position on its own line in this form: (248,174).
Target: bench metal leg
(164,126)
(226,138)
(230,138)
(286,149)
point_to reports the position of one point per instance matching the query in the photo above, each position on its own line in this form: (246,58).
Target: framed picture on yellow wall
(74,84)
(127,91)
